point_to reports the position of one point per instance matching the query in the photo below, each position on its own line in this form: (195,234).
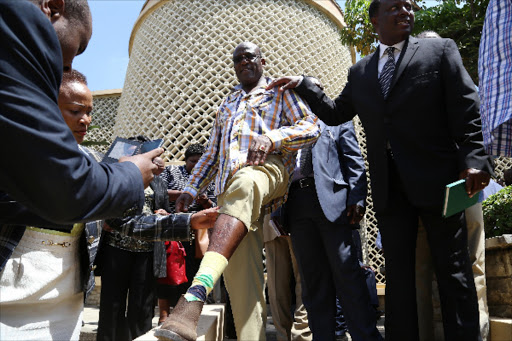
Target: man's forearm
(155,227)
(330,112)
(13,213)
(69,188)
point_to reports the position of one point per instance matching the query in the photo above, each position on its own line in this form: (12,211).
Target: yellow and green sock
(212,266)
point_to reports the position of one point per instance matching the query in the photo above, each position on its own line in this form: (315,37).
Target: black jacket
(430,118)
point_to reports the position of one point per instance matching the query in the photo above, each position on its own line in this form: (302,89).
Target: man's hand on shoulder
(183,202)
(260,147)
(148,163)
(287,82)
(476,180)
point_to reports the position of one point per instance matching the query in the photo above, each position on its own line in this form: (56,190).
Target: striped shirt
(495,78)
(280,115)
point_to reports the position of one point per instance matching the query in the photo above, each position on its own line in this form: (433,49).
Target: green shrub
(497,210)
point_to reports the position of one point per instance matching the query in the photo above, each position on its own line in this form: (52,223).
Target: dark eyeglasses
(249,57)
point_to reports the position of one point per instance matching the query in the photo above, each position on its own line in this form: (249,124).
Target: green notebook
(456,199)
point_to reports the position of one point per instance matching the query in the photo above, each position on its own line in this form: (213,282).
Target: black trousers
(447,238)
(126,274)
(329,268)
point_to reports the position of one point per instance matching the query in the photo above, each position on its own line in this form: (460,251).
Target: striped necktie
(386,74)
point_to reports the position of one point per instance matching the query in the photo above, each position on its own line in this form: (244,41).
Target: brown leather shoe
(181,324)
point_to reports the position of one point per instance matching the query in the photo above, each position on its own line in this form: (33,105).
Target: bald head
(428,35)
(247,45)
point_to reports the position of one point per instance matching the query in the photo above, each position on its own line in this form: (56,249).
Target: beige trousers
(251,188)
(424,277)
(247,191)
(246,287)
(281,265)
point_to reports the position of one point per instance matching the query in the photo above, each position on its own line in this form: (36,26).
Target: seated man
(250,155)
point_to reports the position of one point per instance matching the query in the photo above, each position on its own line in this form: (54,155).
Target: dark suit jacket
(61,184)
(340,177)
(430,118)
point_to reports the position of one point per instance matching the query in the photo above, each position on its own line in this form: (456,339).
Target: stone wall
(498,268)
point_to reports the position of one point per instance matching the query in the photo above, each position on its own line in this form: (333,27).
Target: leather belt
(302,183)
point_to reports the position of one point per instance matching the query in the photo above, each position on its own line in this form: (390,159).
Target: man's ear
(375,23)
(44,8)
(56,8)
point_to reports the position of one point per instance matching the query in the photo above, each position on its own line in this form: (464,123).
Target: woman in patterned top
(176,178)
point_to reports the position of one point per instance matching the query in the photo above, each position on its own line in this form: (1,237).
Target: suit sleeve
(330,112)
(463,108)
(352,162)
(42,167)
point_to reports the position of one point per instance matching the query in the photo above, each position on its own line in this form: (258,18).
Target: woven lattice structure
(371,254)
(180,65)
(105,105)
(501,164)
(180,68)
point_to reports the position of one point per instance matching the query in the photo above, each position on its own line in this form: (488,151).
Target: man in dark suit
(39,40)
(419,109)
(325,202)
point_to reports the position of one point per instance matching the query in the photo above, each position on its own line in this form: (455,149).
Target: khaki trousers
(246,287)
(247,192)
(281,265)
(425,271)
(251,188)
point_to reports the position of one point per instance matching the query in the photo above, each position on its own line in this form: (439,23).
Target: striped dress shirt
(495,78)
(281,115)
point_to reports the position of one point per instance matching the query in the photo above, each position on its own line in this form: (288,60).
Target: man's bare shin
(227,234)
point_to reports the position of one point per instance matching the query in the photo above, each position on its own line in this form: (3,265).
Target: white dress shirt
(384,57)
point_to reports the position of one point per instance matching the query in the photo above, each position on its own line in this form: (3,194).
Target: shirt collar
(238,88)
(399,46)
(239,92)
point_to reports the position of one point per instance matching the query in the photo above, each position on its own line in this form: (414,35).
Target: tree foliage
(496,210)
(359,31)
(459,20)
